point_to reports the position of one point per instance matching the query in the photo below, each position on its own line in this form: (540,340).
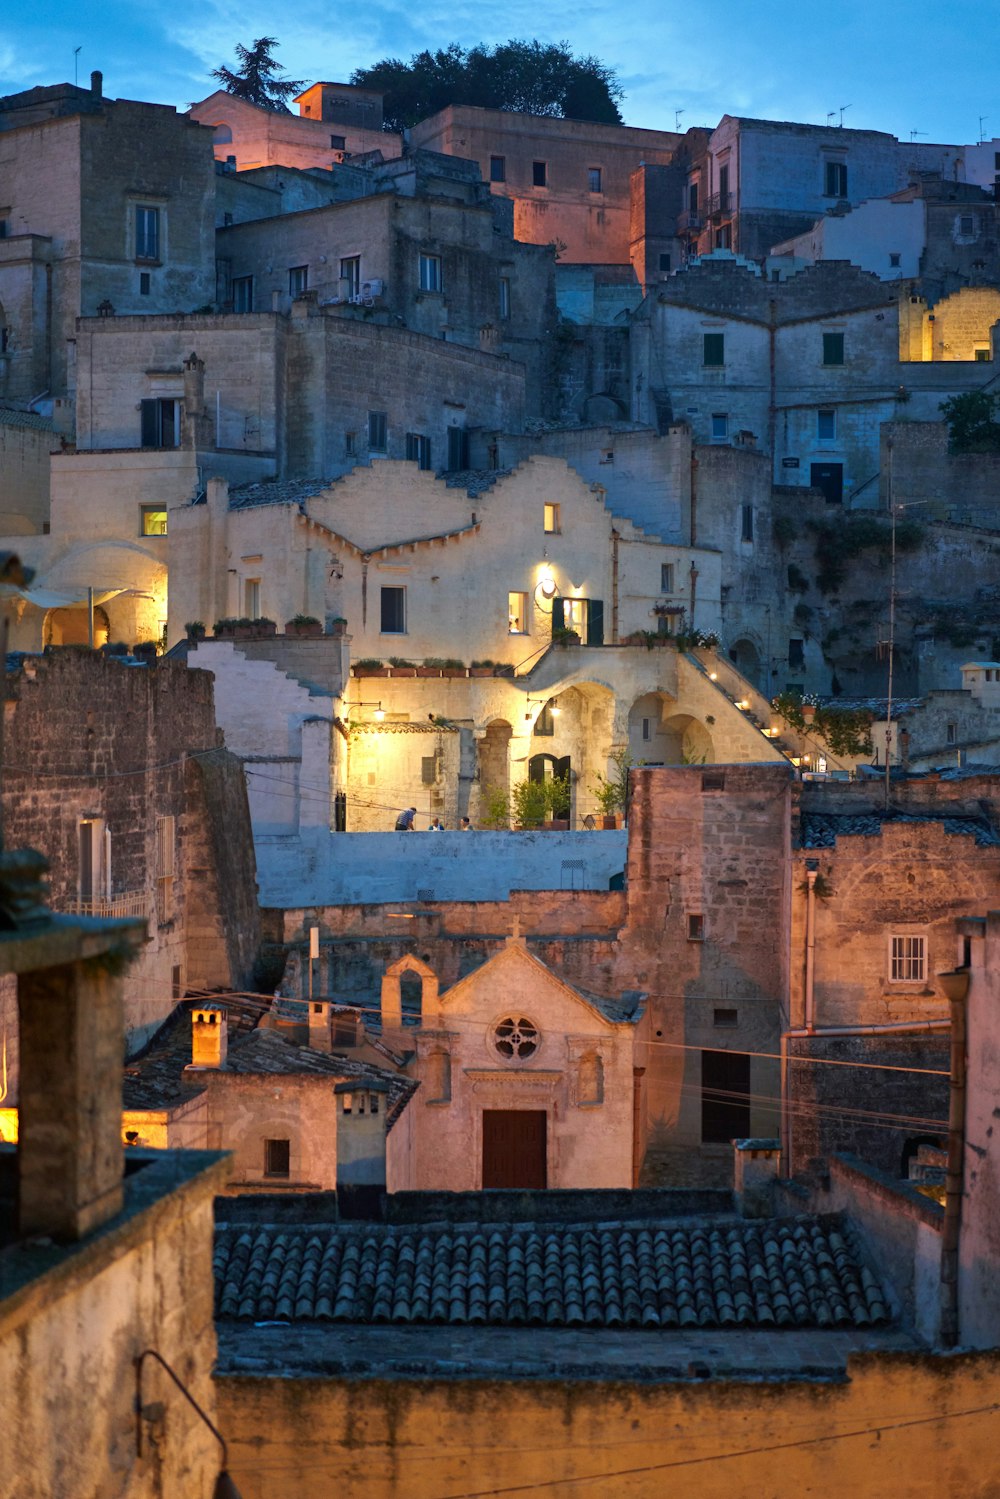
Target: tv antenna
(677,118)
(843,110)
(915,133)
(829,116)
(76,71)
(982,119)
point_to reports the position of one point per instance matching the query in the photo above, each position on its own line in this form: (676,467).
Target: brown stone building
(115,772)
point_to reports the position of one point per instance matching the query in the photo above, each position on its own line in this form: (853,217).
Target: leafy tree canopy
(523,77)
(972,421)
(256,77)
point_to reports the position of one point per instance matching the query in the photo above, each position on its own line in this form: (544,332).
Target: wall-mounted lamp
(224,1486)
(713,676)
(547,584)
(380,714)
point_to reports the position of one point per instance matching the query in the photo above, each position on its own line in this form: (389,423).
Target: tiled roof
(822,829)
(291,492)
(11,418)
(804,1272)
(157,1079)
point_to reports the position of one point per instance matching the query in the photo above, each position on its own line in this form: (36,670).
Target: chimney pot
(97,84)
(209,1036)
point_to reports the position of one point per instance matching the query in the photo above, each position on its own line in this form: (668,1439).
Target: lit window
(393,611)
(298,280)
(251,598)
(696,928)
(552,526)
(720,426)
(835,179)
(430,273)
(277,1157)
(594,179)
(714,350)
(152,521)
(517,613)
(539,173)
(243,294)
(826,426)
(147,233)
(498,169)
(504,297)
(907,959)
(833,348)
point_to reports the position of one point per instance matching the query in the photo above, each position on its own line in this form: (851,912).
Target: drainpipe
(693,516)
(615,538)
(772,412)
(896,1028)
(694,586)
(956,986)
(810,1006)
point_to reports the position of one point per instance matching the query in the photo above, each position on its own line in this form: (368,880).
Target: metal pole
(90,618)
(892,642)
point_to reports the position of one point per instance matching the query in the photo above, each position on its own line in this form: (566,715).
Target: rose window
(516,1038)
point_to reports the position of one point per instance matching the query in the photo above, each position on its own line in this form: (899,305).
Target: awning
(45,598)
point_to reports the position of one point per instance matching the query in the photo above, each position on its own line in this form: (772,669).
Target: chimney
(97,84)
(209,1038)
(319,1024)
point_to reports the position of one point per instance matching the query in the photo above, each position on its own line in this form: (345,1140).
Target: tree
(256,77)
(523,77)
(972,422)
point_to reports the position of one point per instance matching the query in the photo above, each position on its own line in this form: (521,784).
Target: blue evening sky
(919,65)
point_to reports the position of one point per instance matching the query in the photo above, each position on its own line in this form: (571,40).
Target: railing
(719,203)
(133,903)
(692,219)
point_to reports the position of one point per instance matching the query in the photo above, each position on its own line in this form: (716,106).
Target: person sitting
(404,822)
(466,825)
(437,826)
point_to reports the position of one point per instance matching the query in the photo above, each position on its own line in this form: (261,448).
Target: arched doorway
(72,627)
(688,742)
(542,767)
(746,658)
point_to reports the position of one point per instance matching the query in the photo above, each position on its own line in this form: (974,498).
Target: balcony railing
(720,204)
(132,903)
(692,219)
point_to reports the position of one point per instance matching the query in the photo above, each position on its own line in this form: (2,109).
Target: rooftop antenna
(982,137)
(843,110)
(915,133)
(677,118)
(829,116)
(76,71)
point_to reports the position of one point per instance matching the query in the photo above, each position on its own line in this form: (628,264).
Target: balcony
(719,205)
(136,903)
(689,222)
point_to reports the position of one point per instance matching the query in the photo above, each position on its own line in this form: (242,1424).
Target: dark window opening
(696,927)
(835,183)
(277,1157)
(714,350)
(833,348)
(796,655)
(160,422)
(378,431)
(393,611)
(458,449)
(498,169)
(725,1017)
(418,449)
(539,173)
(725,1096)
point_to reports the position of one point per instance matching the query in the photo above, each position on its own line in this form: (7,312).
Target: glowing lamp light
(743,704)
(379,714)
(713,676)
(554,710)
(547,584)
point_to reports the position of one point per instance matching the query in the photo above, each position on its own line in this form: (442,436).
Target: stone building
(107,205)
(335,120)
(105,1258)
(525,1081)
(115,772)
(569,179)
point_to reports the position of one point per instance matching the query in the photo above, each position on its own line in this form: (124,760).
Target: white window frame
(431,273)
(907,957)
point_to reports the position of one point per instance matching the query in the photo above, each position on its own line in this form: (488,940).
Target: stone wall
(26,441)
(91,740)
(301,1431)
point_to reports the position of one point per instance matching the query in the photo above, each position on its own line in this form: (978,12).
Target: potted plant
(194,630)
(612,791)
(225,629)
(431,667)
(565,637)
(495,809)
(146,650)
(338,625)
(262,626)
(370,666)
(452,667)
(304,625)
(481,669)
(401,667)
(809,704)
(529,804)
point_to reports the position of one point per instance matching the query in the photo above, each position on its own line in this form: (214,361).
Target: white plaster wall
(866,237)
(979,1245)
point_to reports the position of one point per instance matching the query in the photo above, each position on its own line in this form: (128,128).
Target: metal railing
(131,903)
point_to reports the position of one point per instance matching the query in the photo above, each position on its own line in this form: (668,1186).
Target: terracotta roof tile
(803,1272)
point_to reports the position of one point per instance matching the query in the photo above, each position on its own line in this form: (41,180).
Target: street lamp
(224,1488)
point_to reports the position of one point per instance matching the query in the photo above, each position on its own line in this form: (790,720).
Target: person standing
(465,826)
(404,822)
(437,826)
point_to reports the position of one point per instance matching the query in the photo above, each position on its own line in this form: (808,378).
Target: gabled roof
(792,1272)
(627,1011)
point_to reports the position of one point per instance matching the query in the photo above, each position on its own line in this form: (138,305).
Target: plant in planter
(565,637)
(338,625)
(146,650)
(481,669)
(194,630)
(369,666)
(541,803)
(225,629)
(612,791)
(263,626)
(304,624)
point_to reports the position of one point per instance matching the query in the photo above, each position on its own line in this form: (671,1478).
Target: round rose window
(516,1038)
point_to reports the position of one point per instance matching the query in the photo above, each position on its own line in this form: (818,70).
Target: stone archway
(392,993)
(494,766)
(687,741)
(649,742)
